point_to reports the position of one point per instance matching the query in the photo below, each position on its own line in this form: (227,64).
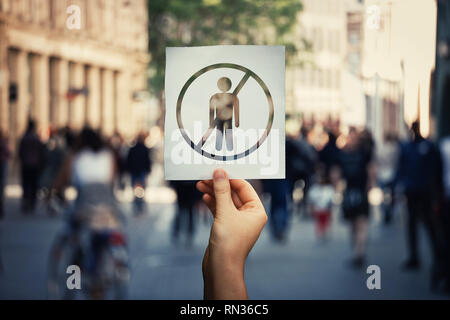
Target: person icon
(221,108)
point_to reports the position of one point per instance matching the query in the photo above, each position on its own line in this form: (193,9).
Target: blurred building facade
(314,85)
(354,109)
(398,62)
(60,75)
(381,95)
(441,87)
(370,64)
(355,26)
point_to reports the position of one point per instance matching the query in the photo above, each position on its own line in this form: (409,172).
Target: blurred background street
(82,107)
(303,268)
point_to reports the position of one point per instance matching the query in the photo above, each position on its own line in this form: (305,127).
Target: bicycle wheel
(63,253)
(112,275)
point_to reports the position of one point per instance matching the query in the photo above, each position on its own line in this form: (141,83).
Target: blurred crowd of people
(343,172)
(85,158)
(67,157)
(342,165)
(327,172)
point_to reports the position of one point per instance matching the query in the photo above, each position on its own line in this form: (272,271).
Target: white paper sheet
(249,99)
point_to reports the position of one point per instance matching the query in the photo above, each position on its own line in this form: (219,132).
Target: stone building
(397,65)
(72,62)
(314,86)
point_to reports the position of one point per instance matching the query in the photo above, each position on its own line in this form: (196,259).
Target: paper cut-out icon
(222,107)
(225,108)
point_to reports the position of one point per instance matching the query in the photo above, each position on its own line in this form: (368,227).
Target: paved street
(301,269)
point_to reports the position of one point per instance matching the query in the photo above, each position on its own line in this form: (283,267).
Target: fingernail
(219,174)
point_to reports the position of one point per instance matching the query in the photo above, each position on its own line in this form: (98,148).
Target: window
(330,41)
(301,76)
(354,62)
(354,37)
(328,79)
(338,41)
(313,80)
(338,79)
(321,78)
(320,39)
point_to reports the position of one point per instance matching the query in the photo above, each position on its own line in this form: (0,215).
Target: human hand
(239,218)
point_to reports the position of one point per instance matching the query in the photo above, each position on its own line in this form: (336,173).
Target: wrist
(222,256)
(224,280)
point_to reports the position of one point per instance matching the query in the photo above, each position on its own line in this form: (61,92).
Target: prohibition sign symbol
(198,147)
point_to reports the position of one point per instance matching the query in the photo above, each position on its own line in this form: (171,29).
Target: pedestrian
(187,198)
(279,215)
(5,154)
(91,169)
(301,158)
(328,156)
(55,153)
(69,137)
(139,165)
(120,151)
(355,166)
(418,175)
(320,199)
(32,156)
(387,158)
(367,143)
(445,215)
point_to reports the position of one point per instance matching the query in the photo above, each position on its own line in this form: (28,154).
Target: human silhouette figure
(221,108)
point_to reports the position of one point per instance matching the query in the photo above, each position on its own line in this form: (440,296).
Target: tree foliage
(212,22)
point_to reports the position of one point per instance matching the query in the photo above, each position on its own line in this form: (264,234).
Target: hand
(239,218)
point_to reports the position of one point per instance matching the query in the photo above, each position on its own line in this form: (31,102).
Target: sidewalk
(303,268)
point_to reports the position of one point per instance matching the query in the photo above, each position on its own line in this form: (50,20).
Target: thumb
(222,190)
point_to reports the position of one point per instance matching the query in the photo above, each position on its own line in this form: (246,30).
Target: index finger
(208,188)
(245,191)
